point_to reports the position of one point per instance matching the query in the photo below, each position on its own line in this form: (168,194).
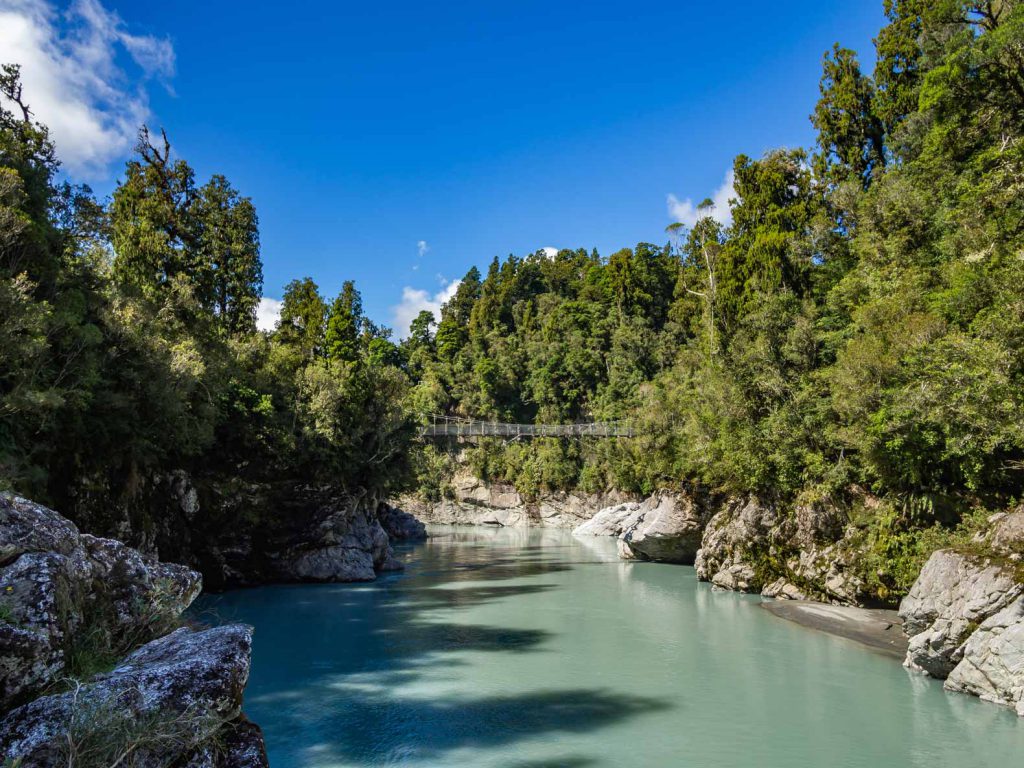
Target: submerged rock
(951,598)
(160,703)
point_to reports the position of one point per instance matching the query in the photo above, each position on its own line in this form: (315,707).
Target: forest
(857,326)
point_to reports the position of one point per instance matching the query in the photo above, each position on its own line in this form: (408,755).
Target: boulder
(667,528)
(57,585)
(951,598)
(992,663)
(611,521)
(399,524)
(161,703)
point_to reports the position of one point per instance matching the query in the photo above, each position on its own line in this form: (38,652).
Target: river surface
(517,648)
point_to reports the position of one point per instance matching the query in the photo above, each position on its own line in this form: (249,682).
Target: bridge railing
(454,426)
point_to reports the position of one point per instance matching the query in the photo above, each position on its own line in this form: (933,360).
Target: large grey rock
(57,584)
(667,529)
(611,521)
(992,666)
(951,598)
(163,701)
(399,524)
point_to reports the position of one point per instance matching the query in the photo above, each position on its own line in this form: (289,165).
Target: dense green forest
(858,324)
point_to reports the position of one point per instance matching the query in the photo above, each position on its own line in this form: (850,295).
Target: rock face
(476,502)
(951,598)
(667,528)
(1006,536)
(738,538)
(60,589)
(992,666)
(756,545)
(348,545)
(240,533)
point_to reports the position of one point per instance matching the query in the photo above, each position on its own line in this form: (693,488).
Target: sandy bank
(877,629)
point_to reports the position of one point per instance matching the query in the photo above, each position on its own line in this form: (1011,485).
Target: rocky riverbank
(95,665)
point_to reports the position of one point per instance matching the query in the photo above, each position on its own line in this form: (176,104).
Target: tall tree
(774,206)
(303,313)
(343,324)
(850,134)
(229,255)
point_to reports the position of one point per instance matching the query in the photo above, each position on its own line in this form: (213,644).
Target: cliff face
(92,668)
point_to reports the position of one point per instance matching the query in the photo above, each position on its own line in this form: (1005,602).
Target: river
(521,648)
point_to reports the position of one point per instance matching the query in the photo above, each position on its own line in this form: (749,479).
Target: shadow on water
(368,674)
(426,730)
(571,761)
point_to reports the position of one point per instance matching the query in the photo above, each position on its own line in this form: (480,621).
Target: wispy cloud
(685,211)
(415,300)
(268,313)
(422,248)
(73,82)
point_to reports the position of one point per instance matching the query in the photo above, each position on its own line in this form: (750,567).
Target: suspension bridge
(457,426)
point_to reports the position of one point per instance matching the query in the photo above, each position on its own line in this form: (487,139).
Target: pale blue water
(527,648)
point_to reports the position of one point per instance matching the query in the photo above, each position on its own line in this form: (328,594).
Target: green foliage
(128,344)
(858,322)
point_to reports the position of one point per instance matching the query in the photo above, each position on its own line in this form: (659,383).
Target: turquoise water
(528,648)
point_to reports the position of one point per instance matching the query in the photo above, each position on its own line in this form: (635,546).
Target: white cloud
(422,248)
(415,300)
(549,251)
(685,211)
(73,82)
(268,313)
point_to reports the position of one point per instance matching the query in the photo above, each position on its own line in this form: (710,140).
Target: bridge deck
(451,427)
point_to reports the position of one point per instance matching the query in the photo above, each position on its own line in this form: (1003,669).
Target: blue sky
(477,129)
